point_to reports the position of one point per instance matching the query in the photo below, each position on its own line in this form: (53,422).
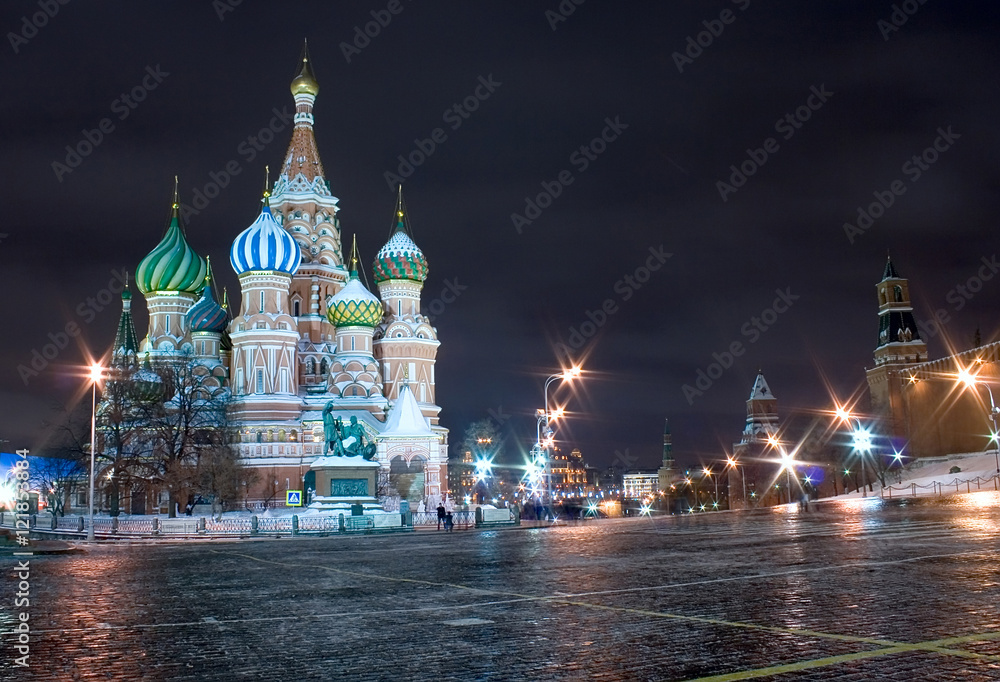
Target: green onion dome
(173,266)
(354,305)
(147,385)
(400,258)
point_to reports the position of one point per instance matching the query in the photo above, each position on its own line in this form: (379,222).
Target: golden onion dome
(305,82)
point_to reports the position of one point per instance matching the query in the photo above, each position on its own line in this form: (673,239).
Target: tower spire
(401,222)
(354,257)
(126,346)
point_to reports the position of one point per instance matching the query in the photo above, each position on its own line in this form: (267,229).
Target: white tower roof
(405,418)
(760,389)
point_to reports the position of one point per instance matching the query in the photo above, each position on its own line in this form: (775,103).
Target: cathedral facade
(307,332)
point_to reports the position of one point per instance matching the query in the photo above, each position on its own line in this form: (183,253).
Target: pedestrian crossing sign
(293,498)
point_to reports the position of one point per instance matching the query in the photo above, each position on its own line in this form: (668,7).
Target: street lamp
(96,373)
(733,464)
(715,479)
(862,443)
(971,381)
(544,417)
(787,463)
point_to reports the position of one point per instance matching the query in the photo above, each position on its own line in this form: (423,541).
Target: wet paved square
(845,592)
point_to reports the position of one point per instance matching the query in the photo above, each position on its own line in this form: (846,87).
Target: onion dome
(265,245)
(206,315)
(354,305)
(172,266)
(400,258)
(305,82)
(147,385)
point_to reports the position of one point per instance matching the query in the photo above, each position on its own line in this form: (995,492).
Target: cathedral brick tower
(405,342)
(171,277)
(264,335)
(355,312)
(303,204)
(899,348)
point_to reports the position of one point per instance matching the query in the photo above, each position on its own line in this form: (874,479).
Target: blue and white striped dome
(265,245)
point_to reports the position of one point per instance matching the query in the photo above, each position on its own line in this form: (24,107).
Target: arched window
(898,293)
(323,367)
(310,366)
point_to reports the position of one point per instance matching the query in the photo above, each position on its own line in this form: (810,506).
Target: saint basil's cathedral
(307,332)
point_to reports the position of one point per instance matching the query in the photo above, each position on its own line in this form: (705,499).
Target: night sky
(864,97)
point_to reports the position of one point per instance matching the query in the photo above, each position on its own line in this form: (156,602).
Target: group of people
(445,517)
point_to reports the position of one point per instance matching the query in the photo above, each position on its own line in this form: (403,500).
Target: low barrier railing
(956,486)
(188,526)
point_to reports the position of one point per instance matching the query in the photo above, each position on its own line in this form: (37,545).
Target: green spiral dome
(172,266)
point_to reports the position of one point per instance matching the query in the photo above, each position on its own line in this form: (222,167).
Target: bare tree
(182,424)
(220,474)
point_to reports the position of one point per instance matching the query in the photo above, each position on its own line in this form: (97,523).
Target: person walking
(449,522)
(441,515)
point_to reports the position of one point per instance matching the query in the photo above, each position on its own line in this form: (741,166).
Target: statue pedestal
(342,482)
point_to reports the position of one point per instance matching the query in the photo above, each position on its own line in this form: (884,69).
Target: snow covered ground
(933,476)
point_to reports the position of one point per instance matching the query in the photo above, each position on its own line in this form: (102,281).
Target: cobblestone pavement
(847,591)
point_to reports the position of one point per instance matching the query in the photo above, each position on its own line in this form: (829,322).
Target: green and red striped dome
(400,258)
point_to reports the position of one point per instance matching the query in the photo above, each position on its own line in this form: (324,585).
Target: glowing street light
(971,381)
(787,463)
(96,374)
(862,442)
(732,463)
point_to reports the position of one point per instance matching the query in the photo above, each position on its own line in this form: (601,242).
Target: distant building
(920,403)
(756,459)
(569,472)
(639,485)
(667,475)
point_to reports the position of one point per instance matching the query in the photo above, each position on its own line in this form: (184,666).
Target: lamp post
(787,463)
(733,464)
(715,479)
(544,416)
(971,381)
(862,443)
(96,371)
